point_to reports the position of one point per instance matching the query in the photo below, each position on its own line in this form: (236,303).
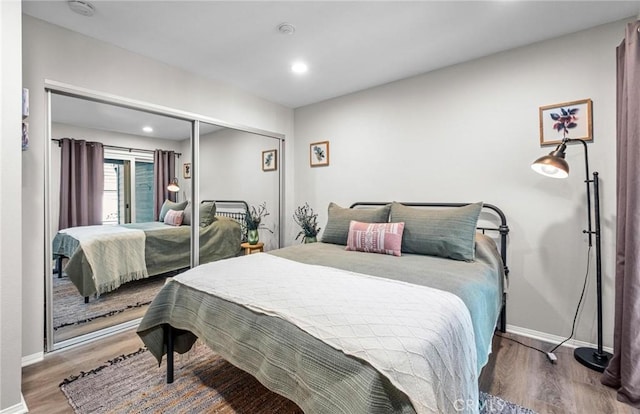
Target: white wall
(50,52)
(470,132)
(10,208)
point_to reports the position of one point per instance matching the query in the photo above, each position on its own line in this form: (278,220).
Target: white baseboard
(19,408)
(32,359)
(552,339)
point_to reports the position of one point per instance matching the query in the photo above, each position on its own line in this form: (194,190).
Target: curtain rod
(177,154)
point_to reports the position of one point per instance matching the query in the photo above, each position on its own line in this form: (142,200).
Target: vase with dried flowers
(253,221)
(308,221)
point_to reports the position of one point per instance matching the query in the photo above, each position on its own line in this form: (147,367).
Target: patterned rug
(204,383)
(69,307)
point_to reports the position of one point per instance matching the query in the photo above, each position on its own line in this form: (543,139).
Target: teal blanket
(479,283)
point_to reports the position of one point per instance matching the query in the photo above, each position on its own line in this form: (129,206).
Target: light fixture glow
(173,186)
(147,129)
(299,67)
(554,164)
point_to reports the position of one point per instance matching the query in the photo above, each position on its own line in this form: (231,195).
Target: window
(122,173)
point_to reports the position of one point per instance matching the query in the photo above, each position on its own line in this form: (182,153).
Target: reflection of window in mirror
(122,176)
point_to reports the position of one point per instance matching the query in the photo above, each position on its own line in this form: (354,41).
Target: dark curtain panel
(164,170)
(81,183)
(623,372)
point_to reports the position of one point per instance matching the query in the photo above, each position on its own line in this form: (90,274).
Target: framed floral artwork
(319,154)
(186,170)
(270,160)
(566,120)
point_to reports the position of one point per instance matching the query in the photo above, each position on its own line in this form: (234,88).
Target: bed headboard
(234,209)
(493,211)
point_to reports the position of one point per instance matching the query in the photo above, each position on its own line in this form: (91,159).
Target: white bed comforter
(115,254)
(420,338)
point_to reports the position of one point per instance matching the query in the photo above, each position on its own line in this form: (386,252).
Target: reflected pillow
(170,205)
(173,217)
(448,232)
(383,238)
(207,214)
(337,228)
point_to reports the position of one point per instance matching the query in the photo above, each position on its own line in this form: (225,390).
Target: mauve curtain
(164,170)
(81,183)
(623,372)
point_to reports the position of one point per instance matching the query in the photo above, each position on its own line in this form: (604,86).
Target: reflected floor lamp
(173,186)
(555,166)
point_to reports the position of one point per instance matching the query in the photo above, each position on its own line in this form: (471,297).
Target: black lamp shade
(551,166)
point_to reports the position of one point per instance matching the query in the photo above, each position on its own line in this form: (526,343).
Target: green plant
(254,217)
(307,220)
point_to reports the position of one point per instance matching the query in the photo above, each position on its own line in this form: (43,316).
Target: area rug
(204,383)
(69,307)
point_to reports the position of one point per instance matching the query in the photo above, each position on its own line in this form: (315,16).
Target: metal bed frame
(502,229)
(237,215)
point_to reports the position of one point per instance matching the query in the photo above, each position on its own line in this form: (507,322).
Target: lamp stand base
(592,359)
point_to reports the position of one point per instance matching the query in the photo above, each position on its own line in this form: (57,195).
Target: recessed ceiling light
(147,129)
(81,7)
(299,67)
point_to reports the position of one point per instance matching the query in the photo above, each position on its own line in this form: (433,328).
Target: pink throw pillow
(375,237)
(173,217)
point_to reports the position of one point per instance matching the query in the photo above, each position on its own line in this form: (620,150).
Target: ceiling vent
(286,28)
(83,8)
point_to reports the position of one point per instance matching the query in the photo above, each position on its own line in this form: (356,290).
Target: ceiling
(348,46)
(95,115)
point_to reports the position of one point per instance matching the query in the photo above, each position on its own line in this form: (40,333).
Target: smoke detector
(286,28)
(83,8)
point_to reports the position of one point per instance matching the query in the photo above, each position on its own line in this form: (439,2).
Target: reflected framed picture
(319,154)
(270,160)
(566,120)
(25,135)
(186,170)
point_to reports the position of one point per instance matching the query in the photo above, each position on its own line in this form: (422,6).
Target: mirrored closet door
(240,171)
(109,171)
(124,180)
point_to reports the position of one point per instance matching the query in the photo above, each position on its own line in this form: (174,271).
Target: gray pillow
(447,232)
(207,214)
(337,229)
(170,205)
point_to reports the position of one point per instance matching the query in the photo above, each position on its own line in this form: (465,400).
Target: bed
(343,331)
(101,258)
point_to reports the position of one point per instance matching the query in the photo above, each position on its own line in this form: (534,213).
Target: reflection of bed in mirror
(103,257)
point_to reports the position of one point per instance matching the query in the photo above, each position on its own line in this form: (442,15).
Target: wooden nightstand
(252,248)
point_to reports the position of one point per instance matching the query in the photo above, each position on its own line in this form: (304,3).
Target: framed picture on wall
(186,170)
(566,120)
(270,160)
(319,154)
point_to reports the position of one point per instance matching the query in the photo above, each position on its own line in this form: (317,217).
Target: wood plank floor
(514,372)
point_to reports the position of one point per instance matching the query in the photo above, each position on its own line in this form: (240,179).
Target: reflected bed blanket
(331,351)
(164,248)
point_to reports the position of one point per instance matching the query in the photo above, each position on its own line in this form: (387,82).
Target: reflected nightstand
(252,248)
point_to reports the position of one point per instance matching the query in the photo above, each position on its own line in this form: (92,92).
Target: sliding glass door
(128,189)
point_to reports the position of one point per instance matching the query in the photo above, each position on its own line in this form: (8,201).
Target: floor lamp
(555,166)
